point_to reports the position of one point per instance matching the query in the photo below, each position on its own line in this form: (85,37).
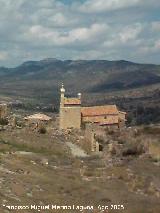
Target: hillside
(45,166)
(86,76)
(129,85)
(40,169)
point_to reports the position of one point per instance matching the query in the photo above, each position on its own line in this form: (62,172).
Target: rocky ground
(40,169)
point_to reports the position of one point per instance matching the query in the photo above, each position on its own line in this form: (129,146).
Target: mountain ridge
(43,78)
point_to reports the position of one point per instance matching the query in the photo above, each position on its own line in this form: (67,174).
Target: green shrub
(42,130)
(133,149)
(99,139)
(3,121)
(20,124)
(110,132)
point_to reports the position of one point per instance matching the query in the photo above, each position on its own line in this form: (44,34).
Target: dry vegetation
(39,168)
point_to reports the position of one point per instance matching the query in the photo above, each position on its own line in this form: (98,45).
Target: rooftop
(99,110)
(38,116)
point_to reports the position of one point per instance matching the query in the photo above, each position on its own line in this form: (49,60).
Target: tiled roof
(99,110)
(72,101)
(38,116)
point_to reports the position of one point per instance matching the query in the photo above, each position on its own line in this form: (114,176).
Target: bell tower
(70,111)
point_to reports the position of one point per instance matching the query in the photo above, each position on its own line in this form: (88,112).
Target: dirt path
(76,150)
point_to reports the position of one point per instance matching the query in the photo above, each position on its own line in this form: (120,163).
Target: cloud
(130,33)
(76,36)
(156,26)
(98,29)
(157,45)
(92,6)
(60,20)
(3,55)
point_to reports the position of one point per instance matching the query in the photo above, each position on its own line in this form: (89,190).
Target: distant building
(38,117)
(37,121)
(3,110)
(73,115)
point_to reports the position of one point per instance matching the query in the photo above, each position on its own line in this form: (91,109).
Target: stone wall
(154,150)
(98,118)
(91,145)
(122,119)
(3,111)
(70,117)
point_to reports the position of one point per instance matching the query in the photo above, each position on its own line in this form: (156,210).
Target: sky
(79,29)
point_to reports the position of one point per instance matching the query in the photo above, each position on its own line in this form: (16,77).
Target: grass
(33,142)
(60,181)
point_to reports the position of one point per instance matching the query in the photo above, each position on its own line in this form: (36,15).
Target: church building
(74,115)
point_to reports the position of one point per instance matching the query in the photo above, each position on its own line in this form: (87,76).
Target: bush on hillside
(3,121)
(42,130)
(133,149)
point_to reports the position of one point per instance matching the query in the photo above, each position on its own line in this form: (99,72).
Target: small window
(105,117)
